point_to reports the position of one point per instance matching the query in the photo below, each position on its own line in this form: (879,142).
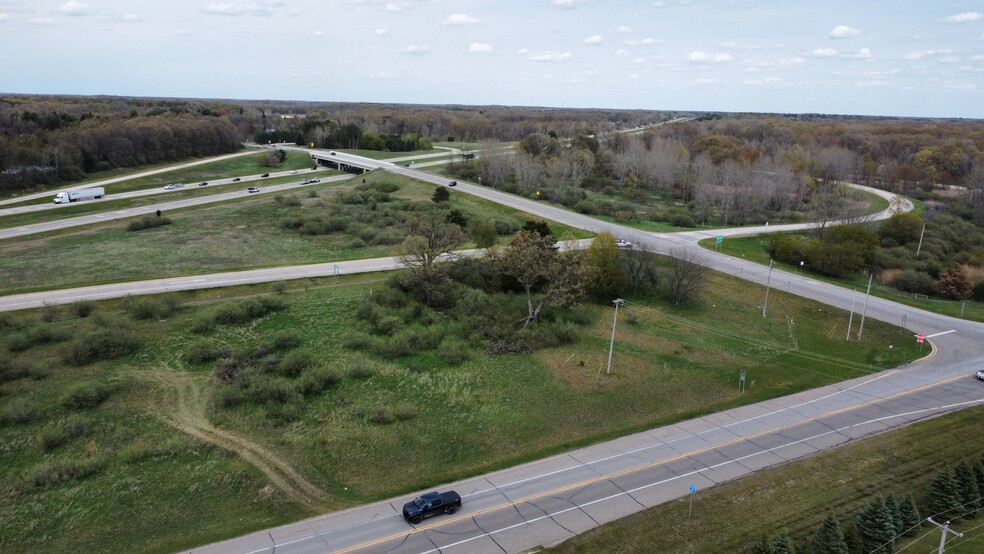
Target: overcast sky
(870,57)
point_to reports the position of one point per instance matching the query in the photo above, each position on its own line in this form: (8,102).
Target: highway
(549,500)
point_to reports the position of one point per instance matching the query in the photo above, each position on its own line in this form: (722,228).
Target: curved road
(550,500)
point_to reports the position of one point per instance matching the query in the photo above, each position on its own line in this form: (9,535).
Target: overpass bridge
(346,162)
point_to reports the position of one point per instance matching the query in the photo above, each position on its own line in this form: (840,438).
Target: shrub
(452,351)
(269,390)
(100,344)
(230,397)
(48,474)
(8,321)
(85,396)
(203,326)
(147,222)
(405,413)
(19,410)
(913,281)
(201,352)
(682,220)
(151,307)
(295,363)
(381,416)
(286,341)
(12,368)
(138,452)
(53,436)
(317,381)
(18,342)
(83,308)
(978,294)
(359,368)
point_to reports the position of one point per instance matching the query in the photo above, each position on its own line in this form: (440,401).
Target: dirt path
(185,411)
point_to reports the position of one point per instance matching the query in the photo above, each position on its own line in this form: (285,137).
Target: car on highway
(622,243)
(265,175)
(293,172)
(169,187)
(980,374)
(203,183)
(331,153)
(252,190)
(453,184)
(431,504)
(236,180)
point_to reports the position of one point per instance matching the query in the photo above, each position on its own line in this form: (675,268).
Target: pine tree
(910,516)
(829,539)
(782,545)
(893,510)
(941,498)
(853,540)
(876,528)
(979,473)
(968,493)
(763,546)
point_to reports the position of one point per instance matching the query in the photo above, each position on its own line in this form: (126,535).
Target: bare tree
(496,165)
(429,237)
(555,276)
(685,276)
(641,266)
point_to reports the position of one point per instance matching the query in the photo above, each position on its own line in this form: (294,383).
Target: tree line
(953,495)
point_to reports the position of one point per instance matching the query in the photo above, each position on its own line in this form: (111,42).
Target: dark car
(252,190)
(203,183)
(236,180)
(265,175)
(980,374)
(453,184)
(431,504)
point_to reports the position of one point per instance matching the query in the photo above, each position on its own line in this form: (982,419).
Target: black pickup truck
(431,504)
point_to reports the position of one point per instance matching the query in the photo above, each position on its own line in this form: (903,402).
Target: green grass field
(795,497)
(247,233)
(154,462)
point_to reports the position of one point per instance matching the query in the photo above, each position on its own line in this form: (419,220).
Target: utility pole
(865,308)
(921,233)
(767,281)
(946,529)
(611,348)
(850,320)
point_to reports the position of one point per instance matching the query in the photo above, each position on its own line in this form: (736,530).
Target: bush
(201,352)
(151,307)
(452,351)
(286,341)
(48,474)
(147,222)
(50,314)
(203,326)
(295,363)
(8,321)
(359,368)
(53,436)
(19,410)
(83,308)
(100,344)
(317,381)
(12,368)
(138,452)
(85,396)
(682,220)
(18,342)
(914,282)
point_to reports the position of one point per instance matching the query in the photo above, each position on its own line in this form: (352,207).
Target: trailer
(79,195)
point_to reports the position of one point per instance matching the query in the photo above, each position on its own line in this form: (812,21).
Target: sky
(913,58)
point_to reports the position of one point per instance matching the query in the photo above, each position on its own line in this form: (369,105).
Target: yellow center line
(636,468)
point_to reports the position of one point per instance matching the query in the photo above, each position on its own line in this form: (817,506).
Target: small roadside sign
(336,267)
(719,238)
(693,488)
(920,339)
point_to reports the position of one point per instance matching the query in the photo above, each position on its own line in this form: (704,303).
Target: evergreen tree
(854,543)
(876,528)
(968,493)
(763,546)
(979,473)
(941,498)
(893,509)
(782,545)
(829,539)
(441,194)
(910,516)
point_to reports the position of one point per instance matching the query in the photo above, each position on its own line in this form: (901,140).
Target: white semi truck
(77,195)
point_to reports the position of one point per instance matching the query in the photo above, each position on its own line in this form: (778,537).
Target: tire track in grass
(188,416)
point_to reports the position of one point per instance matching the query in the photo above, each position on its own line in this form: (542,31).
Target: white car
(622,243)
(980,374)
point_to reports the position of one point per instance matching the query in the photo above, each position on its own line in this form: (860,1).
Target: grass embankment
(795,497)
(754,248)
(243,234)
(154,455)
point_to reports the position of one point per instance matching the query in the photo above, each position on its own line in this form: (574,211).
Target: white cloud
(766,81)
(965,17)
(624,29)
(550,56)
(843,31)
(593,39)
(565,4)
(73,7)
(622,53)
(130,17)
(699,56)
(318,33)
(385,75)
(479,48)
(825,52)
(393,8)
(246,8)
(523,51)
(460,19)
(709,81)
(381,31)
(863,54)
(4,17)
(912,56)
(659,4)
(415,49)
(648,41)
(42,21)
